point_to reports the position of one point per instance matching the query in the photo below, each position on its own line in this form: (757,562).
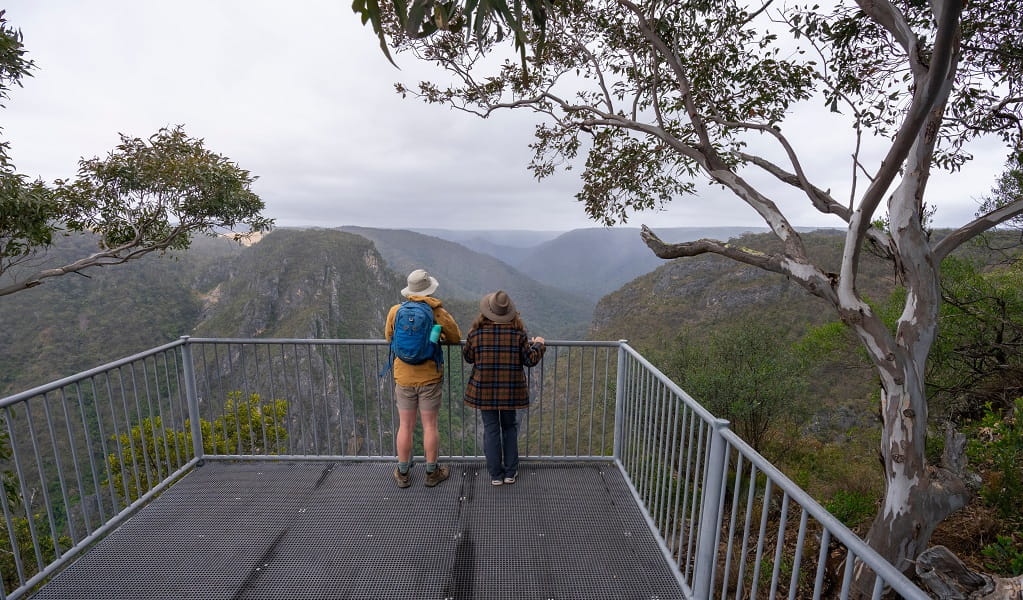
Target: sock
(431,467)
(403,468)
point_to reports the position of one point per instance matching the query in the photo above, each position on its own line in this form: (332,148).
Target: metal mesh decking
(282,530)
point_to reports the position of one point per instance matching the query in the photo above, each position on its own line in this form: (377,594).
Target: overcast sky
(299,94)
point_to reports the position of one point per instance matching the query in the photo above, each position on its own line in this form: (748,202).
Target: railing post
(711,494)
(619,400)
(192,397)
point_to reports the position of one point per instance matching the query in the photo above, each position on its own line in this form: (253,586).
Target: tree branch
(979,225)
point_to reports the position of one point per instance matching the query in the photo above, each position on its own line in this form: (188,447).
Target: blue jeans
(501,442)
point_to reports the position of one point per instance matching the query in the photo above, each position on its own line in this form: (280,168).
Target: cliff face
(316,284)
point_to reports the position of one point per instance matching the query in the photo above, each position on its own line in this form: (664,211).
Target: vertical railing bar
(780,544)
(765,508)
(273,399)
(42,479)
(643,421)
(290,402)
(74,461)
(303,449)
(667,453)
(698,474)
(142,429)
(822,561)
(131,438)
(365,395)
(380,417)
(61,480)
(25,492)
(720,511)
(554,404)
(152,424)
(192,400)
(248,391)
(711,502)
(240,387)
(605,397)
(850,558)
(15,547)
(635,428)
(797,559)
(11,534)
(659,454)
(544,402)
(593,394)
(666,517)
(222,393)
(568,399)
(338,385)
(628,419)
(106,453)
(579,399)
(391,401)
(351,400)
(678,509)
(878,587)
(619,415)
(737,485)
(652,403)
(120,447)
(213,404)
(314,420)
(264,399)
(750,500)
(326,404)
(461,412)
(152,419)
(176,424)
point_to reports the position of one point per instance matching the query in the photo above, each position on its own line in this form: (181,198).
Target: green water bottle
(435,333)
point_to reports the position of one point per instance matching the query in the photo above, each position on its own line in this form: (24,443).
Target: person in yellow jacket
(420,387)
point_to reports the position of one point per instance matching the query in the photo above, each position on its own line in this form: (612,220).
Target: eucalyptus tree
(147,195)
(651,97)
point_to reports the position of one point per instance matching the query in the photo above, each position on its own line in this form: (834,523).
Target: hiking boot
(437,476)
(403,480)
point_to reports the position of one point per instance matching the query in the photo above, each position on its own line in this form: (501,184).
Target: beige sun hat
(498,307)
(420,284)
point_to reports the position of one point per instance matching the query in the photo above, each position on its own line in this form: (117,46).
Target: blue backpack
(411,340)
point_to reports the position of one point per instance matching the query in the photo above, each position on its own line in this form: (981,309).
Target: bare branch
(974,228)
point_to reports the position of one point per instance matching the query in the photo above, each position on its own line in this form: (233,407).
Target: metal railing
(80,454)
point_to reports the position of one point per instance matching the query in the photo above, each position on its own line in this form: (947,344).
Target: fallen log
(950,579)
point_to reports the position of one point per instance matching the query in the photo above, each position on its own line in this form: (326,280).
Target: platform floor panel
(316,530)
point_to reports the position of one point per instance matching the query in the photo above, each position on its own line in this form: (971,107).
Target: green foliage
(976,358)
(745,372)
(1005,556)
(852,507)
(1008,189)
(154,193)
(248,426)
(26,549)
(996,446)
(150,452)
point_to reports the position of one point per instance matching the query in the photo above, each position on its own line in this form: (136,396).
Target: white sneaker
(496,482)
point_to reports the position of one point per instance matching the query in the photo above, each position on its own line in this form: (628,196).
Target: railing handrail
(53,385)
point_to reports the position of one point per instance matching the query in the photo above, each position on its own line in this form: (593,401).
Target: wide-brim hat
(420,283)
(498,307)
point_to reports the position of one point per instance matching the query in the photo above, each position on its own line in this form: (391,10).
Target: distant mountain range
(326,283)
(591,262)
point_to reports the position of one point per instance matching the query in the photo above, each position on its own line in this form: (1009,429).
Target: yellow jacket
(427,372)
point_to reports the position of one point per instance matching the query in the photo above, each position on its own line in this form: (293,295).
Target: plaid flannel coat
(498,352)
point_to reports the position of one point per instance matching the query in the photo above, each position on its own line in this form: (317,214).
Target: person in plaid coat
(498,349)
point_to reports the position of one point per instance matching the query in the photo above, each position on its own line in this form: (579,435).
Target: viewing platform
(217,468)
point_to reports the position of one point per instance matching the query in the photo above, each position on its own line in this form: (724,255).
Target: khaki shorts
(426,398)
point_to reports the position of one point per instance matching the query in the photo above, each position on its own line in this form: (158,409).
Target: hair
(482,319)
